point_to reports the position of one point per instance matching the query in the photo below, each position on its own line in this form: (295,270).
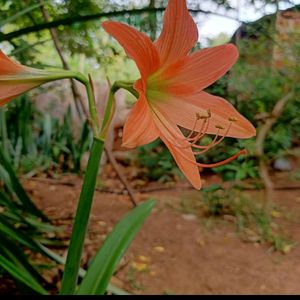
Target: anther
(219,127)
(231,119)
(209,113)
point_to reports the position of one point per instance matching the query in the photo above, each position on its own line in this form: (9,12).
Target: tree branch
(77,19)
(77,97)
(260,140)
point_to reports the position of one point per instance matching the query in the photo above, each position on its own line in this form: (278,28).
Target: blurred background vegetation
(263,86)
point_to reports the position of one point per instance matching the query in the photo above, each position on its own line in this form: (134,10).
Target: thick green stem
(93,109)
(72,266)
(127,85)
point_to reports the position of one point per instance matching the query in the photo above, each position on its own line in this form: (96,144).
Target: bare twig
(262,135)
(122,178)
(76,95)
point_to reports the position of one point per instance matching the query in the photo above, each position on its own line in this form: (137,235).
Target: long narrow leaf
(19,236)
(19,14)
(16,255)
(21,275)
(62,260)
(106,260)
(18,188)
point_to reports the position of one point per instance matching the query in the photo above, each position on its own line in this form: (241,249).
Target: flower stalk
(72,266)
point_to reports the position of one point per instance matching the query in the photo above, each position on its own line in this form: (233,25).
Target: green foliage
(37,142)
(22,226)
(253,223)
(158,161)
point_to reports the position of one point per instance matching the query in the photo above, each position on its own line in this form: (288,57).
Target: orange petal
(174,140)
(139,128)
(8,66)
(137,45)
(182,111)
(200,69)
(10,90)
(179,33)
(189,169)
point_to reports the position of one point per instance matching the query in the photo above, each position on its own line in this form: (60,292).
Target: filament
(191,141)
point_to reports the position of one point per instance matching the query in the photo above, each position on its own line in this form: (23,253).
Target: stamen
(198,117)
(216,142)
(191,141)
(201,132)
(223,162)
(207,147)
(220,163)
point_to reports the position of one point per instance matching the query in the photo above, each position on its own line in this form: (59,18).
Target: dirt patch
(179,251)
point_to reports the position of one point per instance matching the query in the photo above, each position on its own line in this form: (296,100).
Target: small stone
(143,258)
(275,214)
(282,164)
(287,248)
(159,249)
(140,267)
(102,224)
(52,188)
(189,217)
(262,287)
(200,242)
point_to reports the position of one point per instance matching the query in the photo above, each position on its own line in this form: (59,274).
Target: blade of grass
(21,275)
(18,188)
(61,260)
(16,255)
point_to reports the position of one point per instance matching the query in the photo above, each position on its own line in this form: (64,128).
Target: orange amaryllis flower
(15,79)
(171,96)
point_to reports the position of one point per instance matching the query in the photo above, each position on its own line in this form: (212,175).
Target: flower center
(157,88)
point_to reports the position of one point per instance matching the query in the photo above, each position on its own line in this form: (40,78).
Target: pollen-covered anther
(207,116)
(232,119)
(202,130)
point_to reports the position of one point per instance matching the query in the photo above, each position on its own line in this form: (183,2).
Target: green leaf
(14,184)
(106,260)
(17,235)
(15,254)
(19,14)
(21,275)
(61,260)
